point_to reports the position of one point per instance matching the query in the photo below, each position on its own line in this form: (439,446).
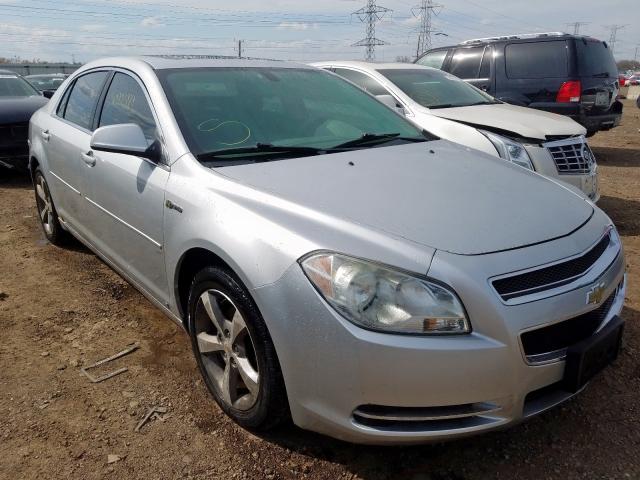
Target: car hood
(526,122)
(19,109)
(454,199)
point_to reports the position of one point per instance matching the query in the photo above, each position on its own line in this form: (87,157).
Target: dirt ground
(63,308)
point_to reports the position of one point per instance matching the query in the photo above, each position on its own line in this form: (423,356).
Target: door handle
(89,158)
(45,135)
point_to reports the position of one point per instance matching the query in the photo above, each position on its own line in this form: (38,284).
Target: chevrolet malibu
(332,263)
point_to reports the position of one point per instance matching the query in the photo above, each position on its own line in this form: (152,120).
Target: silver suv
(330,261)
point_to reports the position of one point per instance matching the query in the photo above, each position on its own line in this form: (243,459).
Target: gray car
(330,261)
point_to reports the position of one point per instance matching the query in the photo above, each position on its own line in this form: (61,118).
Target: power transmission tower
(613,37)
(635,55)
(240,48)
(425,12)
(576,26)
(370,15)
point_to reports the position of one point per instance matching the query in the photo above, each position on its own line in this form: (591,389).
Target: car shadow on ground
(625,214)
(617,157)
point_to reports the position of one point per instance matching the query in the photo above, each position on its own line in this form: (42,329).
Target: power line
(614,33)
(424,12)
(576,26)
(370,15)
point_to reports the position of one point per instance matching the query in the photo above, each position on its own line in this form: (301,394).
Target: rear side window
(83,99)
(465,63)
(433,59)
(363,81)
(595,59)
(126,102)
(537,60)
(485,66)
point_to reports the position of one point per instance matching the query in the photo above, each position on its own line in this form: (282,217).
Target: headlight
(379,298)
(510,150)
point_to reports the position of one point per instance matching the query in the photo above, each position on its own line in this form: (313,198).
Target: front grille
(571,156)
(14,134)
(562,335)
(550,277)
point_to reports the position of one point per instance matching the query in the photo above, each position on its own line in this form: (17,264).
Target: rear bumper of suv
(590,119)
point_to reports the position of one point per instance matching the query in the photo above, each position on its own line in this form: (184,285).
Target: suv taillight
(569,92)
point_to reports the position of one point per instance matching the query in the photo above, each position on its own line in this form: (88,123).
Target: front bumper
(341,379)
(544,164)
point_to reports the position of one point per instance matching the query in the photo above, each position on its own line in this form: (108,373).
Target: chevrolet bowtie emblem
(596,294)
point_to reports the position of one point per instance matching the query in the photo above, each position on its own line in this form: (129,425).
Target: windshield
(12,86)
(239,109)
(436,89)
(45,82)
(595,59)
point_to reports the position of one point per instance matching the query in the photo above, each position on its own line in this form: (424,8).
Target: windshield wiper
(375,138)
(262,149)
(443,105)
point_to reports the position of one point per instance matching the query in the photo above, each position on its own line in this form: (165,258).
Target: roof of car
(47,75)
(169,62)
(372,65)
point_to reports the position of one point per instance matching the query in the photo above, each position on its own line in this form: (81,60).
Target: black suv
(567,74)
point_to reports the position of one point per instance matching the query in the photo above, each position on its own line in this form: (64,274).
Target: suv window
(83,99)
(433,59)
(363,81)
(466,62)
(537,60)
(595,59)
(485,66)
(126,102)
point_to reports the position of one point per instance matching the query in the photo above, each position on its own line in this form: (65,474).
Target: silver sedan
(330,262)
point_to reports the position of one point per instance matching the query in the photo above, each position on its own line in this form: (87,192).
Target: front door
(126,193)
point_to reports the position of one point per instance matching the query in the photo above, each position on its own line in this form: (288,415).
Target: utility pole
(576,26)
(240,48)
(370,15)
(425,12)
(614,33)
(635,55)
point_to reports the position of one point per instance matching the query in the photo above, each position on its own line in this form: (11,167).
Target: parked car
(571,75)
(550,144)
(634,80)
(329,260)
(18,101)
(47,82)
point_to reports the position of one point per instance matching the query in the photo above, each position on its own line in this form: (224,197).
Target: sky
(302,30)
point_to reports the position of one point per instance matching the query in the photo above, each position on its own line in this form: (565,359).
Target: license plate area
(602,99)
(590,356)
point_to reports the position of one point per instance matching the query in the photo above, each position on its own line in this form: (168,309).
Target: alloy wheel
(227,349)
(45,206)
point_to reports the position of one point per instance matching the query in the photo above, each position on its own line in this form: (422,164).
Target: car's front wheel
(234,350)
(47,211)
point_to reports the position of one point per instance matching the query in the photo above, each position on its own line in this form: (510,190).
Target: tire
(47,214)
(230,340)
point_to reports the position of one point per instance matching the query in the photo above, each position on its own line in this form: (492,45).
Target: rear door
(532,72)
(126,192)
(598,74)
(67,139)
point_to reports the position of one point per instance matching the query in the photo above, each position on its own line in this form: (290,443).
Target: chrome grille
(571,156)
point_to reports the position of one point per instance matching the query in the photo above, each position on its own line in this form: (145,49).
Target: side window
(83,99)
(537,60)
(433,59)
(485,66)
(63,103)
(465,63)
(125,102)
(363,81)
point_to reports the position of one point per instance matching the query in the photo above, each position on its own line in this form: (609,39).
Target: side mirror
(391,102)
(127,138)
(48,93)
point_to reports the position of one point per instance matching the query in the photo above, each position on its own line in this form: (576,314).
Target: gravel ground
(63,308)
